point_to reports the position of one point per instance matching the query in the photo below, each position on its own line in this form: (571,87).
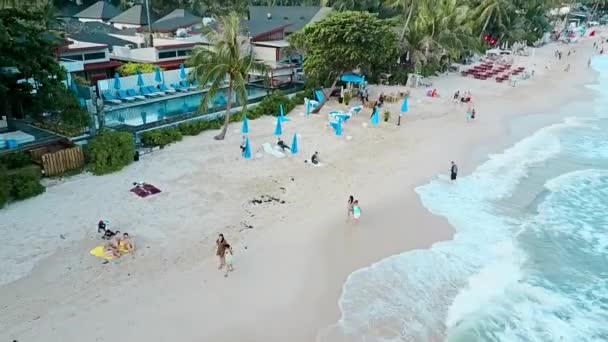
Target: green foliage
(131,69)
(347,98)
(4,186)
(27,44)
(111,151)
(270,105)
(196,127)
(387,115)
(225,58)
(25,183)
(81,80)
(161,137)
(346,41)
(16,160)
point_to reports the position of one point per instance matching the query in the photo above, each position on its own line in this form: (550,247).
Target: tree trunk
(485,26)
(407,21)
(222,134)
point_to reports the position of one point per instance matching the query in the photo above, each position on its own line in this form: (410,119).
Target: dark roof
(136,15)
(101,38)
(76,26)
(99,10)
(267,18)
(177,19)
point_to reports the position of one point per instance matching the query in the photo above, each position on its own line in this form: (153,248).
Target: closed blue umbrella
(339,128)
(182,71)
(294,145)
(405,107)
(245,129)
(116,81)
(247,153)
(278,131)
(282,111)
(376,117)
(140,79)
(157,77)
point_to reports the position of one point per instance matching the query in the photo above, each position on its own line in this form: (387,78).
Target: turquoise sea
(529,260)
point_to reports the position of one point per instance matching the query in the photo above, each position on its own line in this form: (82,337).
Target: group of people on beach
(354,211)
(118,244)
(224,252)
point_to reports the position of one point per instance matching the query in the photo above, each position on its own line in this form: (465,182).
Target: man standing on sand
(453,171)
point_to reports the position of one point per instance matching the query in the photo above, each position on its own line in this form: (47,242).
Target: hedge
(25,183)
(4,186)
(161,137)
(16,160)
(111,151)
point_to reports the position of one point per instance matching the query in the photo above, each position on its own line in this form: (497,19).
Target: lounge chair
(144,91)
(268,149)
(154,90)
(185,84)
(178,87)
(133,93)
(164,88)
(109,98)
(123,96)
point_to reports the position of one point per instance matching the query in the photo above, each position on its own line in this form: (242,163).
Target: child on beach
(356,210)
(350,203)
(228,259)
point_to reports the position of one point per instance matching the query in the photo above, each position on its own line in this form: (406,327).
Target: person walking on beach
(453,171)
(228,256)
(473,114)
(589,63)
(351,201)
(356,210)
(221,244)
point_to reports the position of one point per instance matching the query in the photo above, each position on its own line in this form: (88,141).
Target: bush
(25,183)
(130,69)
(4,186)
(387,115)
(16,160)
(111,151)
(161,137)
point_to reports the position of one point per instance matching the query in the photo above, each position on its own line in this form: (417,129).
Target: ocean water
(529,259)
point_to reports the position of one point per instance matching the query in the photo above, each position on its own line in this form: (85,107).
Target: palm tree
(225,59)
(495,11)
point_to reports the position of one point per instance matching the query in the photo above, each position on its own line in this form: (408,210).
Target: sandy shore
(290,267)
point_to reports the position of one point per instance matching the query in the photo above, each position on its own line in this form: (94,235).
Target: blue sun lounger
(109,98)
(154,90)
(178,87)
(133,93)
(185,84)
(144,91)
(123,96)
(164,88)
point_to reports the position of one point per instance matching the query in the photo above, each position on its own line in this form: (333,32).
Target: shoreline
(313,250)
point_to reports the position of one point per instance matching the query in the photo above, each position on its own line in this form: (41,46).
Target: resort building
(177,23)
(95,59)
(101,11)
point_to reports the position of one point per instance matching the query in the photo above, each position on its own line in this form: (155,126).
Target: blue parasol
(278,131)
(405,107)
(307,107)
(157,77)
(339,128)
(182,71)
(247,153)
(116,81)
(376,117)
(282,111)
(294,145)
(140,79)
(245,128)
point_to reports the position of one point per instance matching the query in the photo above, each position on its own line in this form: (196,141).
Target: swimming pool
(150,111)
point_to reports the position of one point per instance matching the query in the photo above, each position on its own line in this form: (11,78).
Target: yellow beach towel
(100,253)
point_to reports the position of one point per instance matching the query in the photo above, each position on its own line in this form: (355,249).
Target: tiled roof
(100,10)
(136,15)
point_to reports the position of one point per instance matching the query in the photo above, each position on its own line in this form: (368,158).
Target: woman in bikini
(350,202)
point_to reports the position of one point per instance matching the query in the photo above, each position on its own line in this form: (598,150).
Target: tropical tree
(226,58)
(343,42)
(494,12)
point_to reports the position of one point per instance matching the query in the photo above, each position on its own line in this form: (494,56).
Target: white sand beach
(291,258)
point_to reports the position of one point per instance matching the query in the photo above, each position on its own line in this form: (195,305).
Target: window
(167,54)
(184,52)
(94,55)
(73,57)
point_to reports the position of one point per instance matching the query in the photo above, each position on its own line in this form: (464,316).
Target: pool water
(150,112)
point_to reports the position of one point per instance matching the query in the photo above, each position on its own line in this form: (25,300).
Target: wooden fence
(56,163)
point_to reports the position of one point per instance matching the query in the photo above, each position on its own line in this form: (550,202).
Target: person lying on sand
(111,251)
(282,145)
(115,240)
(125,245)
